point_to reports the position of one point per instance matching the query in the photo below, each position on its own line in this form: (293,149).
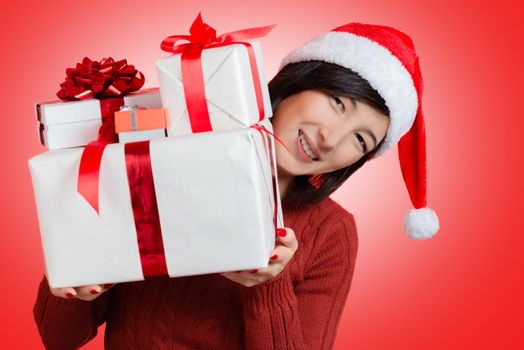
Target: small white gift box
(133,124)
(65,124)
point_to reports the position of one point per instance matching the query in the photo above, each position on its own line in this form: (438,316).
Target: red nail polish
(69,295)
(93,291)
(108,285)
(253,271)
(274,257)
(281,232)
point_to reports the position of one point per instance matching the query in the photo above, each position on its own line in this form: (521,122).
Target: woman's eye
(339,102)
(362,142)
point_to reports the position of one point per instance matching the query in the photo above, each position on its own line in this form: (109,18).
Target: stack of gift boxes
(174,181)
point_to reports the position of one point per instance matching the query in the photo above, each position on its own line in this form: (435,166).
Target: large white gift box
(229,89)
(65,124)
(215,199)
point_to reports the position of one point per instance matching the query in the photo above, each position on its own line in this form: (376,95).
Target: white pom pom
(421,223)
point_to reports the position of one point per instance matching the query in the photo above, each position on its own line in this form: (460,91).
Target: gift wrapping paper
(214,198)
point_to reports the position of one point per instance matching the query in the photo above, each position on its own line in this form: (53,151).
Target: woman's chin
(292,172)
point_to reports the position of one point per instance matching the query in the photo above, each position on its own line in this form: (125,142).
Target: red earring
(316,180)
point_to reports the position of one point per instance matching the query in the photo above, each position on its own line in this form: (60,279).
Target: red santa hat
(386,58)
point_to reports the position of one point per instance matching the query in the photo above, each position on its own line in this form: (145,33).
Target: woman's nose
(330,135)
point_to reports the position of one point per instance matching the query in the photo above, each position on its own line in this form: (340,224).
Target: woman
(339,100)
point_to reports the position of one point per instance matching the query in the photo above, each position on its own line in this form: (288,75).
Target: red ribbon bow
(94,79)
(203,37)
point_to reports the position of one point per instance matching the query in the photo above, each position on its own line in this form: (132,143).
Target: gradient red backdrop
(462,289)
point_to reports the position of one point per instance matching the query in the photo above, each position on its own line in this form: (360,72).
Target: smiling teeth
(306,148)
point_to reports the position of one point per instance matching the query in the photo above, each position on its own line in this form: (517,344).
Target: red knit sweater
(298,309)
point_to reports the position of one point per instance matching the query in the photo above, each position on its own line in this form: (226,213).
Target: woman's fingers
(286,236)
(286,246)
(245,278)
(89,292)
(280,254)
(63,292)
(86,293)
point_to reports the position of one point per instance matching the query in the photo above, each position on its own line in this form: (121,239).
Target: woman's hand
(86,293)
(285,248)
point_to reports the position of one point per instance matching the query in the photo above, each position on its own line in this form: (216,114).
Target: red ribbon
(100,79)
(204,37)
(89,169)
(145,209)
(263,129)
(107,80)
(41,133)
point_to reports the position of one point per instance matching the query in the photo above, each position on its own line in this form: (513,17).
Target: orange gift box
(140,119)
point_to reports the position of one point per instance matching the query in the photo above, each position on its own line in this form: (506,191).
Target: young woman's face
(324,132)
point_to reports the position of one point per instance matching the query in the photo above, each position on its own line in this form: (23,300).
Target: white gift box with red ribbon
(216,198)
(65,124)
(229,89)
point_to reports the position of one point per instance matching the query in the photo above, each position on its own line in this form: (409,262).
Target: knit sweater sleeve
(67,323)
(281,314)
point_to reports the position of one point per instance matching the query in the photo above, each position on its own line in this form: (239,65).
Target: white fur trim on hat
(373,62)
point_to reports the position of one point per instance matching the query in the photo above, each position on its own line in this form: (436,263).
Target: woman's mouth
(304,148)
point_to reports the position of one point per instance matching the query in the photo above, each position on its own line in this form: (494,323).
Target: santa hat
(386,58)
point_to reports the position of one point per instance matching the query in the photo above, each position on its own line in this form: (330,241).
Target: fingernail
(253,271)
(93,291)
(108,285)
(274,257)
(281,232)
(69,295)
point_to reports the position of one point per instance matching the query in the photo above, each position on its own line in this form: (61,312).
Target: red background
(461,290)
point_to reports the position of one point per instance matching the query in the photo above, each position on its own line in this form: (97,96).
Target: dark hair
(332,79)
